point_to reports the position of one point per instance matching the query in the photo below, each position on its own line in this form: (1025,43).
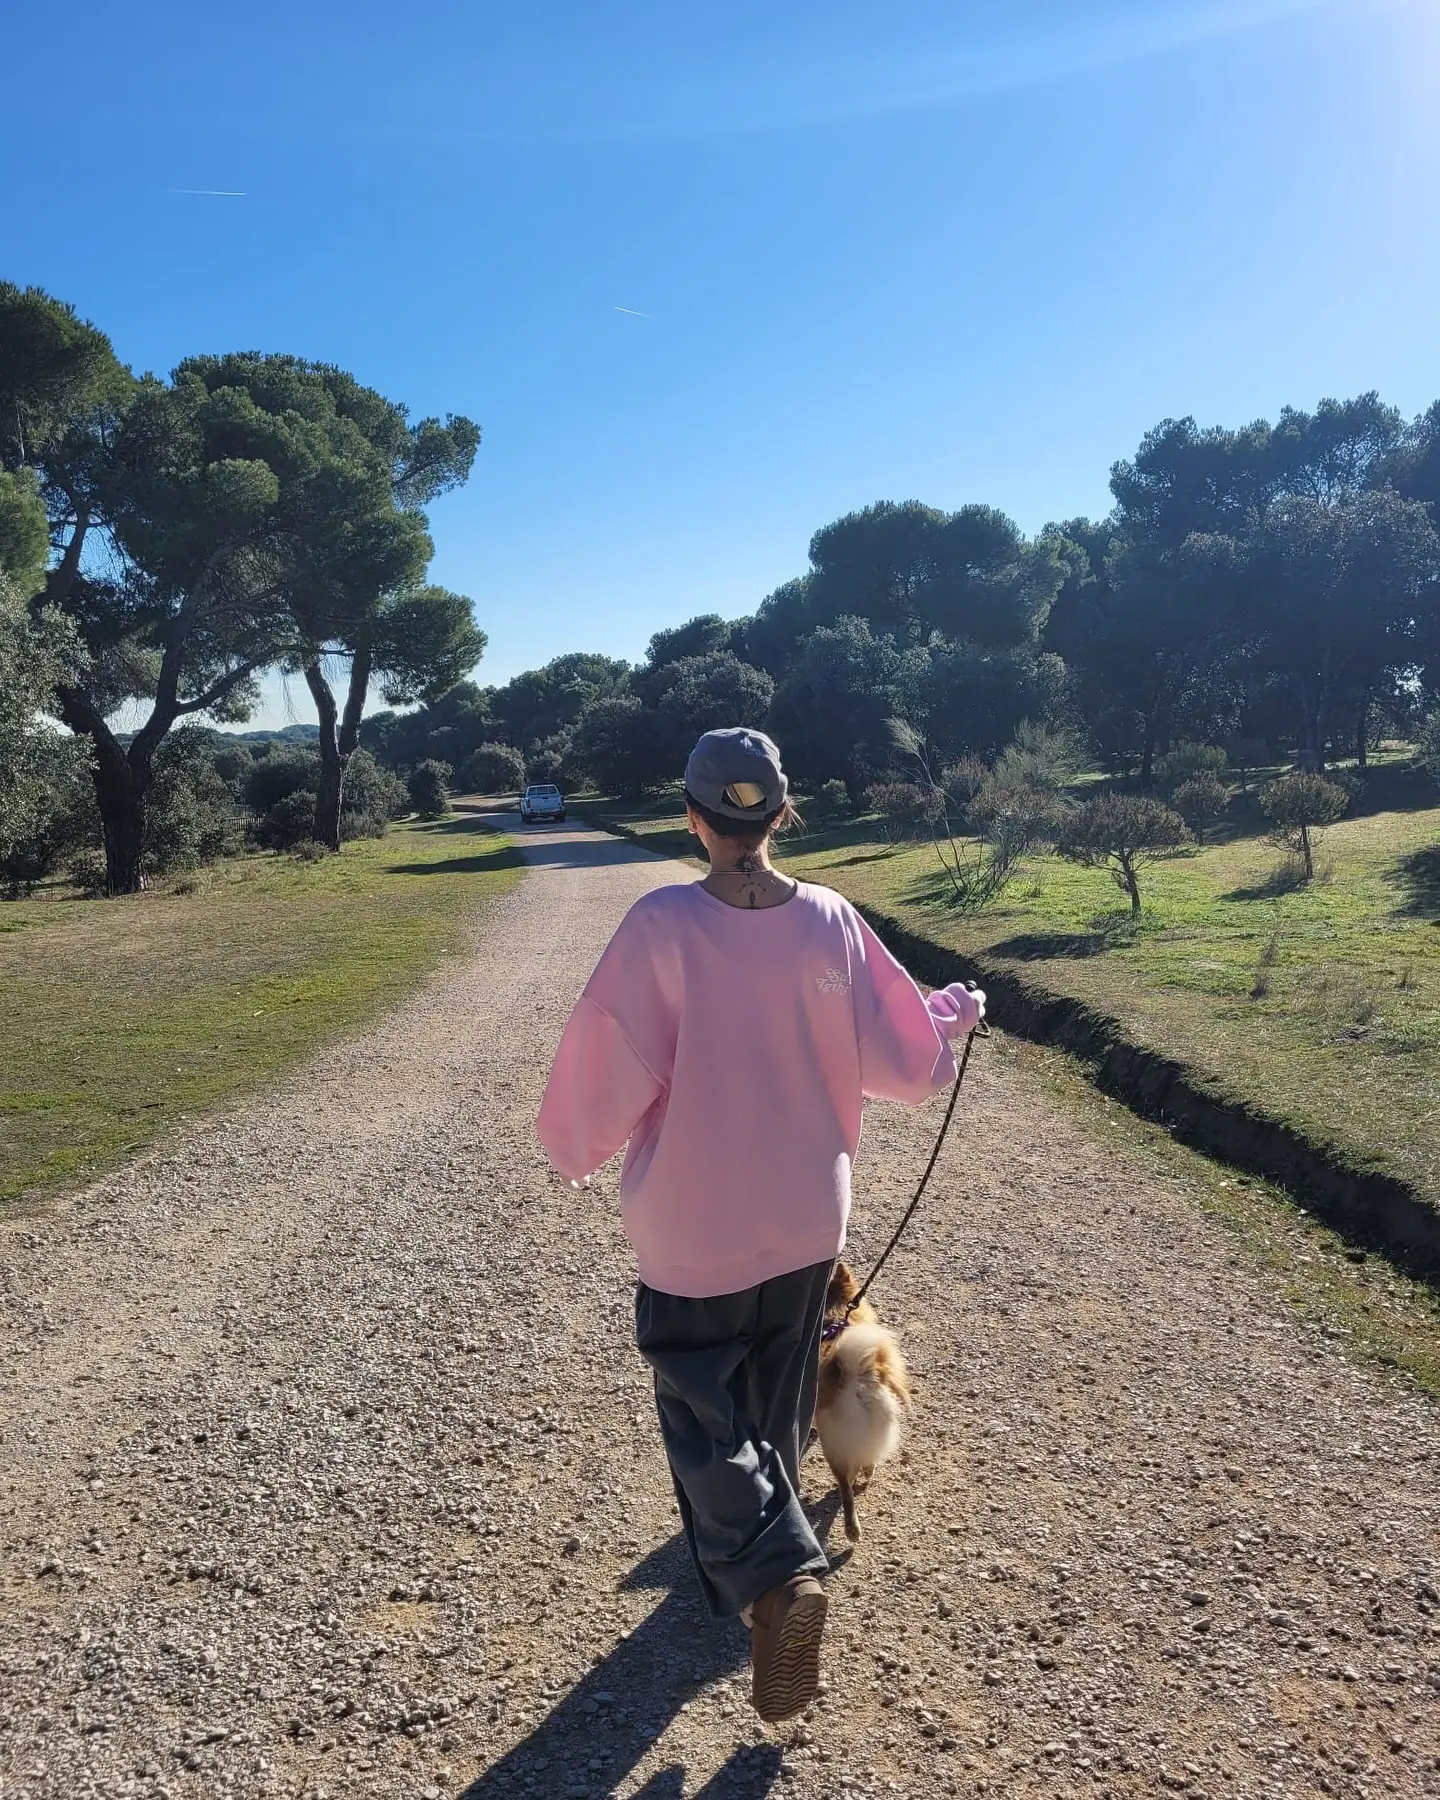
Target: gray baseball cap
(736,772)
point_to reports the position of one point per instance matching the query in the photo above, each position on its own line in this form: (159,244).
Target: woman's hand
(958,1009)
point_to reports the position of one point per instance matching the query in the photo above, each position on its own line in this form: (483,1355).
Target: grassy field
(118,1017)
(1318,1005)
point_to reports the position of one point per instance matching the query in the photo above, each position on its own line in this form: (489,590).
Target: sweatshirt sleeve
(599,1091)
(905,1053)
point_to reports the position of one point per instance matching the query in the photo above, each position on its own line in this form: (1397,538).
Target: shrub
(1009,820)
(831,800)
(963,780)
(64,822)
(429,785)
(283,772)
(1009,814)
(373,796)
(1040,757)
(906,808)
(493,769)
(290,821)
(192,816)
(1200,801)
(1299,806)
(89,873)
(1184,762)
(1120,833)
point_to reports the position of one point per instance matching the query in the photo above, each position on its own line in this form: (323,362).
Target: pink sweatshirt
(731,1049)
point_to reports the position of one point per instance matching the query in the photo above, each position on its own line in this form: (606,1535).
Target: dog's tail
(864,1394)
(868,1355)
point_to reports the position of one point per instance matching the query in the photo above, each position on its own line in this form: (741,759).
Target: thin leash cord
(899,1231)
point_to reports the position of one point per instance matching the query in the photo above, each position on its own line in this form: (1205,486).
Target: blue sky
(951,252)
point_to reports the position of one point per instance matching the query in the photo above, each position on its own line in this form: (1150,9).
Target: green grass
(1320,1006)
(118,1017)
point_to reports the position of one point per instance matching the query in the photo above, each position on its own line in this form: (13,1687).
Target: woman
(729,1034)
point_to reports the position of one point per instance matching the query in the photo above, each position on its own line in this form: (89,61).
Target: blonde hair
(746,831)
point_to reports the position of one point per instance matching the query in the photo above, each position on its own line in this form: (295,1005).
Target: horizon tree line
(165,542)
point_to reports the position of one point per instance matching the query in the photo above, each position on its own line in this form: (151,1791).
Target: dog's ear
(843,1286)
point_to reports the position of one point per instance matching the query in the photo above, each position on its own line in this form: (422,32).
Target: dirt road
(327,1467)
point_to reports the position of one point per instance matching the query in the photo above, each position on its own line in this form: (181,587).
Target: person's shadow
(617,1710)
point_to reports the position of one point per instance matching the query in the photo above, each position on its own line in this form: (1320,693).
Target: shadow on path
(498,856)
(563,847)
(573,845)
(624,1702)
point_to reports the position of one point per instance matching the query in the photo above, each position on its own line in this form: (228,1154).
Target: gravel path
(327,1466)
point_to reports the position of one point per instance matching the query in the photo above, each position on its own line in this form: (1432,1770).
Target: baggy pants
(735,1382)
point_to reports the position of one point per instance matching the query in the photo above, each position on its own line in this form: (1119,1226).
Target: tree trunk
(1130,884)
(331,797)
(121,791)
(1306,854)
(1362,730)
(122,788)
(339,739)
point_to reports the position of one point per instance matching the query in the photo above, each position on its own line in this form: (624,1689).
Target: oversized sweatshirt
(731,1049)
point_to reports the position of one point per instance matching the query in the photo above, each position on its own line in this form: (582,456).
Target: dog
(864,1392)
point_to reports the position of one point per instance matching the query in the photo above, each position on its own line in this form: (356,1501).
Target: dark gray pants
(735,1380)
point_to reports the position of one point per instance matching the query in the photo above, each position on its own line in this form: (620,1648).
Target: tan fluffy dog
(864,1393)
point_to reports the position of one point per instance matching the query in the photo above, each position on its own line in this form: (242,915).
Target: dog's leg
(847,1500)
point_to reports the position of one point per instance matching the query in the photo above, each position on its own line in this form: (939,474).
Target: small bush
(1011,808)
(1121,833)
(963,780)
(1299,806)
(284,772)
(906,808)
(64,821)
(1184,762)
(1038,757)
(288,822)
(373,797)
(308,850)
(429,785)
(492,769)
(1200,801)
(88,872)
(830,802)
(192,816)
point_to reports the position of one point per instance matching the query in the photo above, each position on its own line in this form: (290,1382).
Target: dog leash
(833,1330)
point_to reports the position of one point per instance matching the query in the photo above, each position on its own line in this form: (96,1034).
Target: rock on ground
(327,1467)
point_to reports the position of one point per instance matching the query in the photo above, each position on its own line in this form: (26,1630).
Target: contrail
(633,313)
(213,193)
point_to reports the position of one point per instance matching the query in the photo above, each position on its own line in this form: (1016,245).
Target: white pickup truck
(543,802)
